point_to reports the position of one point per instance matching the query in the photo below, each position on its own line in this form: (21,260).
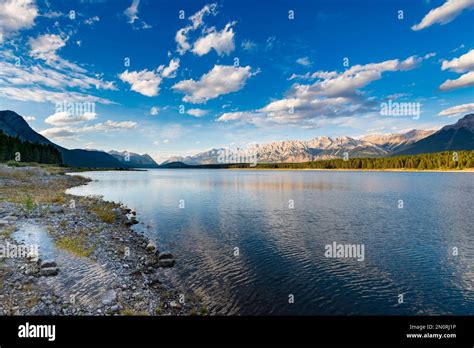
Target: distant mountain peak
(133,159)
(465,122)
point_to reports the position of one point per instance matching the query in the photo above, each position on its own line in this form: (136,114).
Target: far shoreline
(469,170)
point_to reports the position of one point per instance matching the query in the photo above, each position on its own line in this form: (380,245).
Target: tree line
(14,149)
(426,161)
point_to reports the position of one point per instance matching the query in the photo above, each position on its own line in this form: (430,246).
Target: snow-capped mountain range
(322,147)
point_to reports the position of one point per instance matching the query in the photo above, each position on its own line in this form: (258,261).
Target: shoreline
(469,170)
(99,264)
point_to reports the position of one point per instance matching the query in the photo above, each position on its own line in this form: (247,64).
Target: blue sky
(178,77)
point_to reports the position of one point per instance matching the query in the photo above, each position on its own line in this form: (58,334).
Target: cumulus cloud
(16,15)
(63,118)
(465,80)
(444,14)
(332,95)
(170,70)
(147,82)
(221,41)
(144,82)
(197,21)
(463,64)
(458,110)
(197,112)
(222,79)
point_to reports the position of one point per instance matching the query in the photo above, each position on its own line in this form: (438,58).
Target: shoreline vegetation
(100,266)
(447,161)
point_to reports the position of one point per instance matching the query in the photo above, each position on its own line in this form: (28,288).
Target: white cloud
(222,79)
(444,14)
(29,118)
(197,20)
(68,132)
(91,20)
(154,111)
(170,70)
(63,118)
(148,82)
(243,116)
(221,41)
(45,47)
(358,76)
(197,112)
(249,45)
(16,15)
(144,82)
(36,74)
(58,133)
(458,110)
(110,126)
(465,80)
(52,14)
(132,11)
(333,95)
(463,64)
(304,61)
(40,95)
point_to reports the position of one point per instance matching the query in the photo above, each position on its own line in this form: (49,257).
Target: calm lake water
(281,221)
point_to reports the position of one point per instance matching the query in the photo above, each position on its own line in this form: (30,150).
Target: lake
(255,242)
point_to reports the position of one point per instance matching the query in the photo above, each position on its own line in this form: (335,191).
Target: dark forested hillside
(28,152)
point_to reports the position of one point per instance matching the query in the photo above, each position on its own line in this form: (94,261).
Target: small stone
(150,247)
(166,263)
(109,297)
(48,264)
(56,209)
(165,255)
(48,272)
(115,308)
(174,304)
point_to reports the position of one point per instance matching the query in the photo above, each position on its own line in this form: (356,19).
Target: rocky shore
(68,255)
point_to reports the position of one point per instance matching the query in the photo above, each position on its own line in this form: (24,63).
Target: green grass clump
(104,212)
(29,205)
(75,245)
(132,312)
